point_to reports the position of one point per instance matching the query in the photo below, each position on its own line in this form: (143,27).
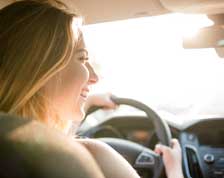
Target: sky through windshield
(144,59)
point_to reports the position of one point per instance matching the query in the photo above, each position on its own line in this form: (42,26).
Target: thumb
(161,149)
(158,149)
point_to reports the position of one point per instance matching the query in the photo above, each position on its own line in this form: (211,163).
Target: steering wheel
(137,155)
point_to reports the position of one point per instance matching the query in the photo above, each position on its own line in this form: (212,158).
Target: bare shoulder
(110,161)
(94,145)
(98,148)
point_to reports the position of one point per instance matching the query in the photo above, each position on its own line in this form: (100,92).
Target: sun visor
(194,6)
(96,11)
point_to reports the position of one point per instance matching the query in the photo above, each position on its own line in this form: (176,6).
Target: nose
(93,77)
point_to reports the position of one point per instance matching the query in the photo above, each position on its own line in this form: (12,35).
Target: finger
(157,149)
(109,105)
(162,149)
(105,101)
(175,143)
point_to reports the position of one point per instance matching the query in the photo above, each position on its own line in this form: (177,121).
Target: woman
(45,74)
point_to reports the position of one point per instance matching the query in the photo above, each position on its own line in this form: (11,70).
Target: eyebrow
(82,50)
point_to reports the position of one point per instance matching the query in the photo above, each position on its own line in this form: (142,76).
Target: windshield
(144,59)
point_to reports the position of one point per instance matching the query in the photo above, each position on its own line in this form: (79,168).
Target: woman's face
(68,90)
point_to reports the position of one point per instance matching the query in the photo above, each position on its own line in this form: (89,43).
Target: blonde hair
(36,42)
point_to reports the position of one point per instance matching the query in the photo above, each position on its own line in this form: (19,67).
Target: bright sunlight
(144,59)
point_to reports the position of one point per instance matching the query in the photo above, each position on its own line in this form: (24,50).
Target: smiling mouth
(84,93)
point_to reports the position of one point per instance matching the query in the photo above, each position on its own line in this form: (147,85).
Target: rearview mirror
(208,37)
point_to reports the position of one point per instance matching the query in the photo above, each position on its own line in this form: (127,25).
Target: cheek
(74,79)
(64,88)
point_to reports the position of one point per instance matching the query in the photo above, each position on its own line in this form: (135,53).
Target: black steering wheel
(137,155)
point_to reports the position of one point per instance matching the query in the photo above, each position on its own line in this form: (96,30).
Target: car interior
(136,126)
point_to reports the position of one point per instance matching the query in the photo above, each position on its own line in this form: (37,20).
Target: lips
(84,93)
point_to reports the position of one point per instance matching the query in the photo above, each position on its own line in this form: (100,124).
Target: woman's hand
(171,158)
(101,100)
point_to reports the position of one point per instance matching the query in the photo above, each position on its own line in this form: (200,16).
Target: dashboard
(138,129)
(202,141)
(140,136)
(203,149)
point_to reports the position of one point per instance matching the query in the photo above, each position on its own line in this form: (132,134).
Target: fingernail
(157,146)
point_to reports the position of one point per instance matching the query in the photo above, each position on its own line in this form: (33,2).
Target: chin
(82,115)
(79,114)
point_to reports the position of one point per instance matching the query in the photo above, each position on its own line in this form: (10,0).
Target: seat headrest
(30,149)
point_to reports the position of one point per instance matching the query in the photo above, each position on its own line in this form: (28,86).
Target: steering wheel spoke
(146,159)
(137,155)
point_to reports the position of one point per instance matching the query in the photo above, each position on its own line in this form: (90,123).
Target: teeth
(84,94)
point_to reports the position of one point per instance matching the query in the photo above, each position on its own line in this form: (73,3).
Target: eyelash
(84,59)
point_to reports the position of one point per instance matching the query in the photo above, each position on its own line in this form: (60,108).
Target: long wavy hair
(36,41)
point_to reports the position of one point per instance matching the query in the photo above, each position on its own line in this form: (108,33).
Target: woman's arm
(112,164)
(101,100)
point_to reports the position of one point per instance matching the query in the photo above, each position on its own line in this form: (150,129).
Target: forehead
(81,43)
(77,35)
(81,46)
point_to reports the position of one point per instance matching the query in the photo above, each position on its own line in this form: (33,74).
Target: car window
(144,59)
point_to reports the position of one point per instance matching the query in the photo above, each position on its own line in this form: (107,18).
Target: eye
(83,59)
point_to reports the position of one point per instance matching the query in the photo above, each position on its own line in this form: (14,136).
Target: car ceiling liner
(194,6)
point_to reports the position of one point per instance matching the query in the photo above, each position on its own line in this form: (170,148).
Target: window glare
(144,59)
